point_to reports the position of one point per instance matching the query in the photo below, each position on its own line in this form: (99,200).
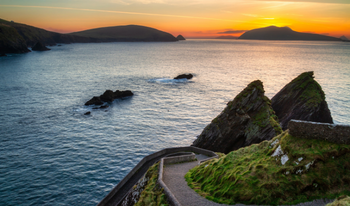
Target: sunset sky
(191,18)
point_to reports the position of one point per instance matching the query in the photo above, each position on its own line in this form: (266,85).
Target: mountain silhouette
(126,33)
(17,37)
(284,33)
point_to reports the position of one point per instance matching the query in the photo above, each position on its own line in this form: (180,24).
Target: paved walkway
(173,177)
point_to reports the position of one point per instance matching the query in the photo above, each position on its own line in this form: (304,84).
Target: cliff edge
(301,99)
(246,120)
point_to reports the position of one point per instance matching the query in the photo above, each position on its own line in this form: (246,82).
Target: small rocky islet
(39,46)
(248,133)
(100,102)
(184,76)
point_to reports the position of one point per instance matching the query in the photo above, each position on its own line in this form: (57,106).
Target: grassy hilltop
(126,33)
(284,170)
(17,37)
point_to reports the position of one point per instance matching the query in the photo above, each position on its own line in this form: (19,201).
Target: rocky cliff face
(301,99)
(11,41)
(246,120)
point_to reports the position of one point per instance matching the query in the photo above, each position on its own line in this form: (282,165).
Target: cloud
(118,12)
(313,1)
(251,15)
(232,32)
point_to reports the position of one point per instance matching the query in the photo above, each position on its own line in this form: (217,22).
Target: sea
(53,154)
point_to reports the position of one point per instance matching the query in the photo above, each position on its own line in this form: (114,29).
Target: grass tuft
(153,194)
(341,201)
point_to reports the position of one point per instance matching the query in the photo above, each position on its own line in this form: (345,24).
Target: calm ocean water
(53,154)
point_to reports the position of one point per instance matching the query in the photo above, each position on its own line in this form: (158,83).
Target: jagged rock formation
(246,120)
(134,194)
(184,76)
(40,47)
(180,37)
(301,99)
(107,97)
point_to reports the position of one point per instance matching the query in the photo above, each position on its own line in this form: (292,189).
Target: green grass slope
(341,201)
(284,170)
(16,36)
(32,34)
(11,41)
(127,33)
(152,194)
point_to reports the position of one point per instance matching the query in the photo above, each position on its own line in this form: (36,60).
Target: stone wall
(181,158)
(116,195)
(334,133)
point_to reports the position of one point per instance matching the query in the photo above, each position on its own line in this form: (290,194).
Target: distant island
(226,37)
(129,33)
(17,37)
(180,37)
(284,33)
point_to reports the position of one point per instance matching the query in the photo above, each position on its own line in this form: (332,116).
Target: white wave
(168,81)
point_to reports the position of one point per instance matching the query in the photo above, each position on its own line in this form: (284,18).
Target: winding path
(173,177)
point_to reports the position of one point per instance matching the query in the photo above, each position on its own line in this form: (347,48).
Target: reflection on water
(53,154)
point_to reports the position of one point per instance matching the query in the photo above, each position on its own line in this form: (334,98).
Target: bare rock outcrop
(246,120)
(39,46)
(180,37)
(301,99)
(184,76)
(107,97)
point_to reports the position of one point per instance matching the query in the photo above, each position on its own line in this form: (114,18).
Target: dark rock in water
(184,76)
(87,113)
(40,47)
(246,120)
(94,101)
(3,55)
(103,107)
(121,94)
(59,45)
(180,37)
(301,99)
(107,96)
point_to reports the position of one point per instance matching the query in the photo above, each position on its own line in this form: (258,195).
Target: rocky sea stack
(108,96)
(184,76)
(246,120)
(180,37)
(301,99)
(40,47)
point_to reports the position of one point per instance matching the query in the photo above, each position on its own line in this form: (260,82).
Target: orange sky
(191,18)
